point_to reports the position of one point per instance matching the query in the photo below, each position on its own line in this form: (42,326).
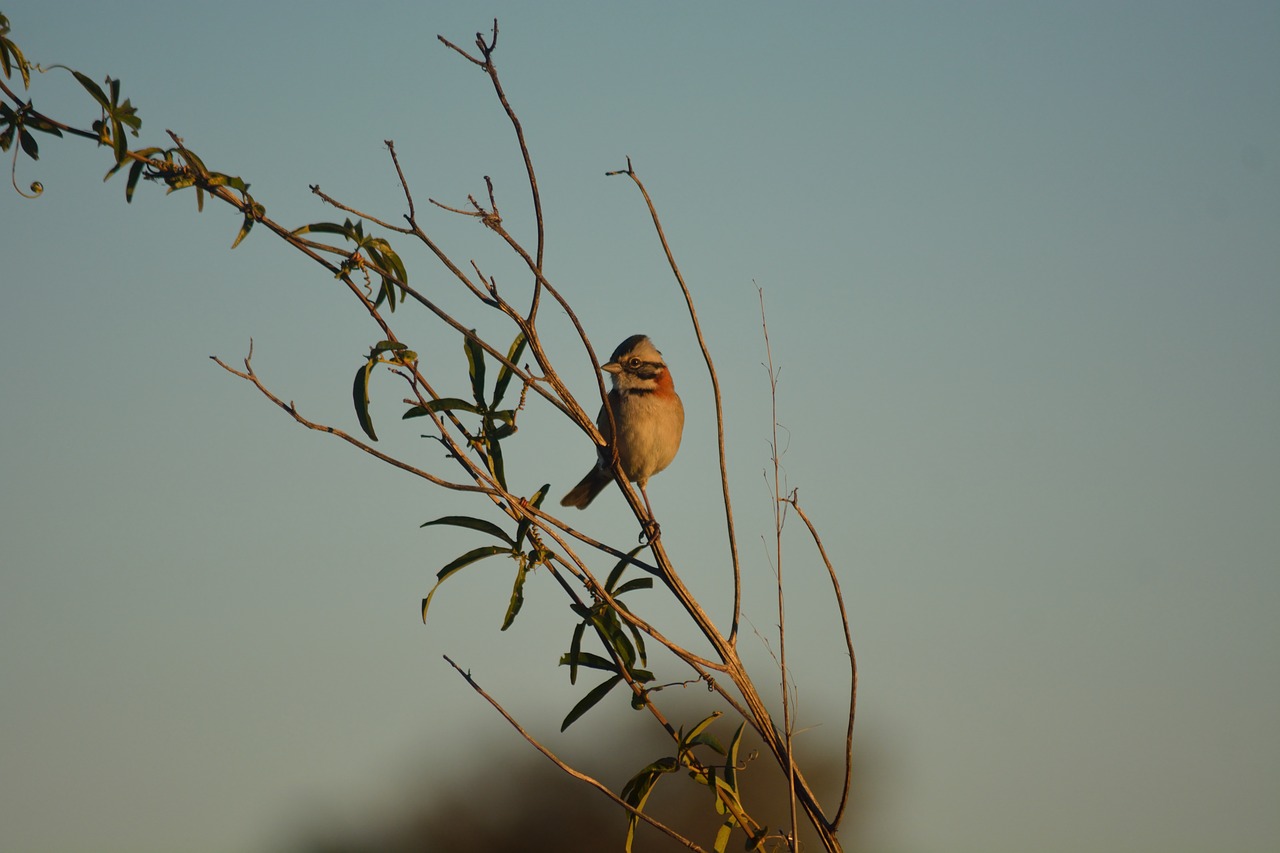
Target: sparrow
(649,416)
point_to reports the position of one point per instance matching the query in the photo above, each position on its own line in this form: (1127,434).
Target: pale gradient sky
(1022,265)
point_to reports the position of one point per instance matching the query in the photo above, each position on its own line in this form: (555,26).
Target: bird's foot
(649,532)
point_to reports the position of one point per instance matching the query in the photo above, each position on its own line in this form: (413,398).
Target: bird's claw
(649,532)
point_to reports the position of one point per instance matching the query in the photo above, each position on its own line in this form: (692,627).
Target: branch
(793,500)
(715,388)
(582,777)
(249,375)
(779,519)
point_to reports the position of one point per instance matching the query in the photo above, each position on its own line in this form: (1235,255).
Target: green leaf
(244,229)
(472,556)
(28,143)
(619,569)
(38,122)
(589,701)
(444,404)
(496,466)
(638,788)
(635,635)
(588,659)
(120,145)
(194,161)
(475,366)
(575,651)
(698,728)
(360,394)
(472,524)
(11,55)
(93,89)
(634,583)
(707,740)
(731,760)
(722,836)
(504,373)
(321,228)
(517,596)
(135,172)
(611,632)
(522,528)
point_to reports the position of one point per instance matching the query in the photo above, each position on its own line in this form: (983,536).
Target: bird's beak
(611,367)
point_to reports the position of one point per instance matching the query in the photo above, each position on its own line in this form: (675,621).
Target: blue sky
(1022,269)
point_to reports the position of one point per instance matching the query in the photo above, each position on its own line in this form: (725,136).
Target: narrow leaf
(496,466)
(707,740)
(324,228)
(135,172)
(472,556)
(588,659)
(517,597)
(522,529)
(93,89)
(360,395)
(722,836)
(456,566)
(589,701)
(637,790)
(475,366)
(619,569)
(700,727)
(118,142)
(28,143)
(575,651)
(611,633)
(444,404)
(635,636)
(244,229)
(472,524)
(505,374)
(731,760)
(634,583)
(43,125)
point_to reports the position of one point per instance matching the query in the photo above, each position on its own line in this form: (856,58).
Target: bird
(649,416)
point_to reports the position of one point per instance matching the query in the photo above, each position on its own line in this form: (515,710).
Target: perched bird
(649,416)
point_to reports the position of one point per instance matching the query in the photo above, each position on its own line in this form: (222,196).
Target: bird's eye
(634,363)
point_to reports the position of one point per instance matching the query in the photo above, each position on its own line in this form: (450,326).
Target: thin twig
(249,374)
(778,520)
(404,184)
(487,65)
(576,774)
(715,388)
(794,501)
(330,200)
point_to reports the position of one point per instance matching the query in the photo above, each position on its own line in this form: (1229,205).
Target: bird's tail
(585,492)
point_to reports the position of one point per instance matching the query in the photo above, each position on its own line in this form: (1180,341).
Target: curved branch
(793,500)
(715,388)
(577,774)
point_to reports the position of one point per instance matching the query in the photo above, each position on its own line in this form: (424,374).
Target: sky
(1021,270)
